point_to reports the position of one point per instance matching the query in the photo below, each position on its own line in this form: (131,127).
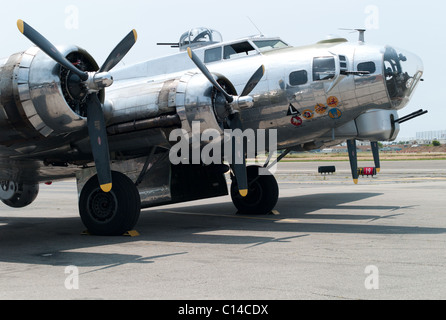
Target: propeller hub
(98,81)
(241,103)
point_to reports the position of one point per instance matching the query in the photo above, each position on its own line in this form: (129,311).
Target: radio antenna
(255,26)
(361,33)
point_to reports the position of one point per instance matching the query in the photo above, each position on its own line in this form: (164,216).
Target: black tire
(113,213)
(25,195)
(263,193)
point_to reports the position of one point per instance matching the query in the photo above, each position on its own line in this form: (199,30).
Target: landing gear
(263,193)
(112,213)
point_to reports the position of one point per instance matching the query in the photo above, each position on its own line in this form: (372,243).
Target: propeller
(200,65)
(234,120)
(238,163)
(120,51)
(99,141)
(47,47)
(353,156)
(375,152)
(94,82)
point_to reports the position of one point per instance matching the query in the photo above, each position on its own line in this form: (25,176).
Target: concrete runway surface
(382,239)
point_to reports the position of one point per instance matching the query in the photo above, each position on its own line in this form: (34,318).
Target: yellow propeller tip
(378,170)
(20,25)
(243,193)
(189,52)
(135,34)
(106,187)
(355,181)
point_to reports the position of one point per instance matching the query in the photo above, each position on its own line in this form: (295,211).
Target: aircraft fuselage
(310,97)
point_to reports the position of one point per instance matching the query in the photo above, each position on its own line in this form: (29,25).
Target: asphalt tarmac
(384,238)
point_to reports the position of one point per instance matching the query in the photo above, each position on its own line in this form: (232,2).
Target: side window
(298,78)
(324,68)
(343,64)
(212,55)
(236,50)
(367,66)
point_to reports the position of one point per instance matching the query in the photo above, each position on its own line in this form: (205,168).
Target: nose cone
(403,71)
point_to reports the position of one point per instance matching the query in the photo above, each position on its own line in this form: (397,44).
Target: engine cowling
(38,99)
(198,101)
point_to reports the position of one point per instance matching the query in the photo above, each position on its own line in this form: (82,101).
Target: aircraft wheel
(25,195)
(112,213)
(263,193)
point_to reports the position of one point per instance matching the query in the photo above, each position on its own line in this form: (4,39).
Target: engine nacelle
(195,102)
(37,98)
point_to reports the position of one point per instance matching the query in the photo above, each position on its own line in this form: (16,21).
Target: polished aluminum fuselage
(356,94)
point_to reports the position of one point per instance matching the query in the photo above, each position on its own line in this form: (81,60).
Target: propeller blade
(238,153)
(200,65)
(353,156)
(375,151)
(99,141)
(119,51)
(253,82)
(47,47)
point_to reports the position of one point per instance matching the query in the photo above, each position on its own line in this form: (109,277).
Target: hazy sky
(416,26)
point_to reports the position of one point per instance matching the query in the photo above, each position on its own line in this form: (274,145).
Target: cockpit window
(324,68)
(238,50)
(367,66)
(268,45)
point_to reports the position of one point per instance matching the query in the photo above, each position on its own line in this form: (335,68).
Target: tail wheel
(263,193)
(112,213)
(25,195)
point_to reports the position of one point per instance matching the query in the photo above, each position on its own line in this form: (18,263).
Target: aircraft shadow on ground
(300,209)
(51,241)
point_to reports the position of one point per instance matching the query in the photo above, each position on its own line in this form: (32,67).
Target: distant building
(428,136)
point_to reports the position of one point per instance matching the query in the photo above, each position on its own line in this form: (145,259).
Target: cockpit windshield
(403,72)
(268,45)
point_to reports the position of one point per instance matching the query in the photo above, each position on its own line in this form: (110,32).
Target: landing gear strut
(112,213)
(263,193)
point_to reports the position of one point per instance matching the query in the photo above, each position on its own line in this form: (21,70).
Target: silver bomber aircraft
(62,116)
